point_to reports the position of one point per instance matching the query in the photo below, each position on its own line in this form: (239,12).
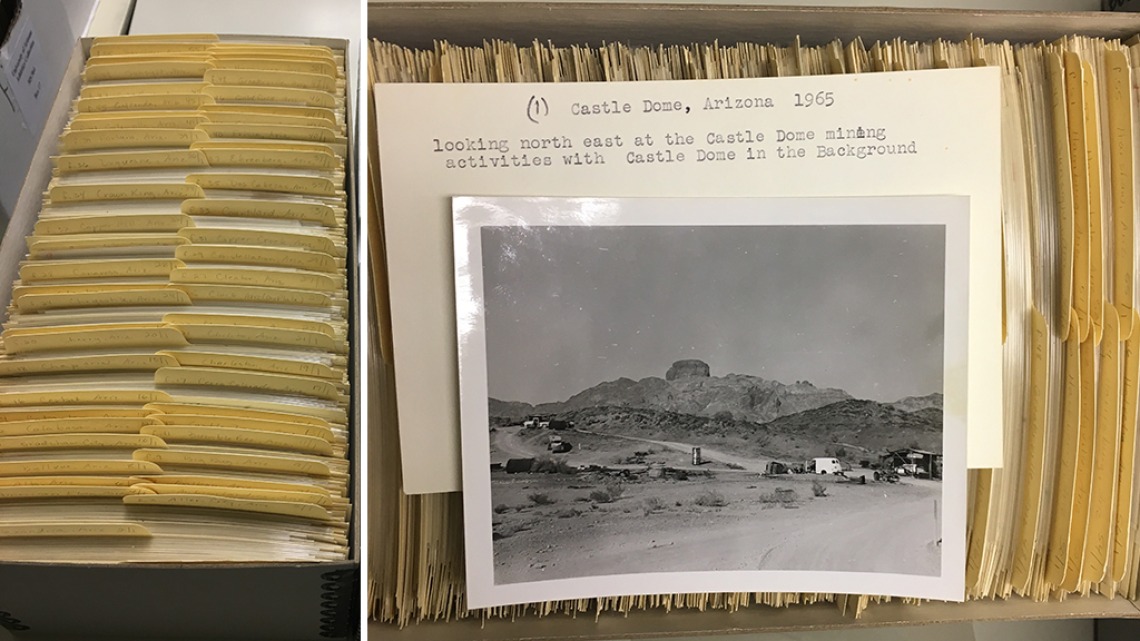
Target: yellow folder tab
(103,48)
(229,461)
(106,481)
(92,424)
(83,397)
(187,421)
(1033,457)
(1130,388)
(306,185)
(139,120)
(26,492)
(257,255)
(280,131)
(1060,525)
(271,78)
(88,139)
(80,441)
(79,288)
(1082,483)
(202,357)
(1096,242)
(1063,179)
(122,298)
(238,437)
(199,501)
(334,413)
(1106,454)
(123,191)
(1119,80)
(34,271)
(1078,166)
(118,90)
(265,145)
(283,111)
(8,415)
(116,160)
(270,95)
(236,112)
(286,159)
(165,56)
(255,277)
(239,117)
(162,411)
(79,466)
(41,246)
(155,101)
(240,492)
(266,295)
(113,224)
(320,66)
(261,238)
(319,52)
(979,519)
(87,363)
(259,335)
(68,530)
(258,208)
(191,318)
(229,482)
(149,69)
(83,338)
(240,379)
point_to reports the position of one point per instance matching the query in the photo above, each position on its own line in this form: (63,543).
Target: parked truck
(823,465)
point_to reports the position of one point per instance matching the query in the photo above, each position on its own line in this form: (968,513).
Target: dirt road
(508,444)
(756,465)
(854,528)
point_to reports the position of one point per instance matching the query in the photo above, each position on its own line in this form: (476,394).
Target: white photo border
(470,214)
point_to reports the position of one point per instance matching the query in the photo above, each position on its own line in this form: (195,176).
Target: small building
(916,462)
(775,467)
(519,465)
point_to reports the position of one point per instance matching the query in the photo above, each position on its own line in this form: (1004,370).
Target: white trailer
(824,465)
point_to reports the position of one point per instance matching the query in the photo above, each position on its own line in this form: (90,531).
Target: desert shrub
(601,496)
(539,498)
(818,489)
(785,497)
(546,465)
(710,498)
(568,513)
(509,530)
(653,505)
(615,490)
(724,416)
(501,508)
(734,466)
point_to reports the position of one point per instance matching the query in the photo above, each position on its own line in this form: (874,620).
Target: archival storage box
(318,600)
(422,24)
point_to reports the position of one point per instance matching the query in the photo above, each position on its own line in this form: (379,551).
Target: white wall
(58,24)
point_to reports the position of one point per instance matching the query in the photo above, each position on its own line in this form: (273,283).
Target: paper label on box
(21,75)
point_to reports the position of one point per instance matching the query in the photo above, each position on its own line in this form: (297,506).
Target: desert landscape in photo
(752,398)
(627,495)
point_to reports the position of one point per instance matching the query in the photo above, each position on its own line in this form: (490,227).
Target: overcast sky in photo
(856,307)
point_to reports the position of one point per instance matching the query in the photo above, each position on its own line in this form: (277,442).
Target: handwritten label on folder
(904,133)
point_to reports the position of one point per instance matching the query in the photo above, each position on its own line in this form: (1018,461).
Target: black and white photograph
(712,394)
